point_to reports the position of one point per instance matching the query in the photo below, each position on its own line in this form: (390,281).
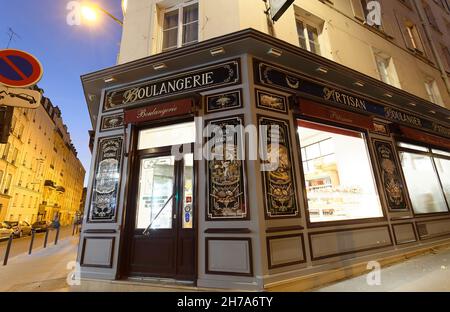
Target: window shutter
(431,17)
(358,10)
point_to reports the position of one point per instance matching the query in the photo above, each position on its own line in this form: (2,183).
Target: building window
(415,42)
(433,166)
(433,92)
(308,36)
(180,26)
(386,69)
(338,174)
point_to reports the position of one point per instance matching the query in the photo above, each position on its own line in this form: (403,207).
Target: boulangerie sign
(159,111)
(205,78)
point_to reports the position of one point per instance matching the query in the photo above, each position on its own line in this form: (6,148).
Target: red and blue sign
(19,69)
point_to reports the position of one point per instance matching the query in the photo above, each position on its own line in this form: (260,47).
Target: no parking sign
(18,70)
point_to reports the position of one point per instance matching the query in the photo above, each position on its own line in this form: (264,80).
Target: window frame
(180,32)
(308,23)
(432,156)
(372,164)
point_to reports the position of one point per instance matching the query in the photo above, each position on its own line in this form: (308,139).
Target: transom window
(180,26)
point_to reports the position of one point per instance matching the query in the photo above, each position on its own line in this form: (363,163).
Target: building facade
(361,119)
(41,176)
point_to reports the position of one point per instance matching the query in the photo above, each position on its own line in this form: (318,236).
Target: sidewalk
(46,270)
(43,270)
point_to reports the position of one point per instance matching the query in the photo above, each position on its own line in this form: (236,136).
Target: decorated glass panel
(106,181)
(225,171)
(279,180)
(390,176)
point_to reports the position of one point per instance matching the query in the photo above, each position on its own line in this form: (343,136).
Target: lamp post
(89,11)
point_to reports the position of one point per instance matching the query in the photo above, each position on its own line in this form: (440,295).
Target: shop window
(338,174)
(422,164)
(433,92)
(180,26)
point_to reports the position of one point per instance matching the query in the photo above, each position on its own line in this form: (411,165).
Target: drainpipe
(428,31)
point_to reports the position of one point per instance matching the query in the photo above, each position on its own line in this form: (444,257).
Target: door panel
(162,224)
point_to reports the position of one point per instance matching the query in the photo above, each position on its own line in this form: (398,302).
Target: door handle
(175,216)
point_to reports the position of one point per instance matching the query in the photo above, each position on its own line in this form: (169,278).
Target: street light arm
(118,21)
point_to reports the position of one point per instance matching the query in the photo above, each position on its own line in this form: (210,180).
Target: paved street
(21,245)
(428,273)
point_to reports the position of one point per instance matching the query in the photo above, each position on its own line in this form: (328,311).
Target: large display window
(338,174)
(427,174)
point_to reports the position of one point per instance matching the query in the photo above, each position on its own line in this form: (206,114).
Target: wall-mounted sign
(223,101)
(202,79)
(105,192)
(112,122)
(159,111)
(278,7)
(279,184)
(393,185)
(312,109)
(225,175)
(270,101)
(272,76)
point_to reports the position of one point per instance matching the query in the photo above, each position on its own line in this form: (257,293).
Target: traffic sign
(19,69)
(279,7)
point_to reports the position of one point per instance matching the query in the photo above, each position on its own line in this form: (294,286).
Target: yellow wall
(344,40)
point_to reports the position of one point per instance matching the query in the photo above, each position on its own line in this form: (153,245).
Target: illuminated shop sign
(271,76)
(202,79)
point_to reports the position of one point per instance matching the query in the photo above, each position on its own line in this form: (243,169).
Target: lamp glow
(124,6)
(89,13)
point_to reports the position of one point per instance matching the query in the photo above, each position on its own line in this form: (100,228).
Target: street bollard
(33,232)
(57,235)
(73,230)
(8,248)
(46,238)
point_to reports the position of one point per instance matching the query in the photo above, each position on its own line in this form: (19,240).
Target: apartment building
(363,120)
(40,174)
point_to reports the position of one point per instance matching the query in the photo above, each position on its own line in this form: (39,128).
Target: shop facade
(352,158)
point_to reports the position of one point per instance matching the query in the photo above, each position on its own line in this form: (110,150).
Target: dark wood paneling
(408,242)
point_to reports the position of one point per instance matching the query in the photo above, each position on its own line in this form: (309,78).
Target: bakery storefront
(363,169)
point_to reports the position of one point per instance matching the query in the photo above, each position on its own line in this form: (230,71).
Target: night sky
(66,52)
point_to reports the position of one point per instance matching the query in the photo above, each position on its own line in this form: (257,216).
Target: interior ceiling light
(359,83)
(321,69)
(388,95)
(109,79)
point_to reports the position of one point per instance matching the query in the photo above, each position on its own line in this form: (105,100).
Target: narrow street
(21,245)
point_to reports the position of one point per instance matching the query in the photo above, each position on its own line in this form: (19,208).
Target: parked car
(5,231)
(40,226)
(20,228)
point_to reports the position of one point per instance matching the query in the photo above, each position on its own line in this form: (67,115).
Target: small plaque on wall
(223,101)
(381,129)
(112,122)
(279,182)
(227,198)
(105,193)
(393,185)
(270,101)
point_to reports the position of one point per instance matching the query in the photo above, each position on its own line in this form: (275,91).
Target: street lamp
(89,11)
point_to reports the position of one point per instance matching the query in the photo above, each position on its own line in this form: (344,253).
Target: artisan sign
(271,76)
(206,78)
(158,111)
